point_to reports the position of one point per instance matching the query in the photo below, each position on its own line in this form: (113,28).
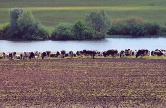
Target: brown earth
(102,83)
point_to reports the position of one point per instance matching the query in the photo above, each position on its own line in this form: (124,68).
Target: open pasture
(51,12)
(82,83)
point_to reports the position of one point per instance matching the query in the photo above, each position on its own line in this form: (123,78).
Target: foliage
(24,26)
(83,32)
(134,26)
(63,31)
(78,31)
(15,13)
(30,28)
(3,30)
(100,21)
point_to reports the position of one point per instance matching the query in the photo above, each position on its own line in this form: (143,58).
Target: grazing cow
(10,56)
(32,55)
(143,52)
(14,55)
(71,54)
(5,55)
(89,53)
(55,54)
(158,52)
(25,55)
(37,54)
(122,53)
(63,52)
(128,52)
(134,53)
(43,54)
(111,52)
(79,53)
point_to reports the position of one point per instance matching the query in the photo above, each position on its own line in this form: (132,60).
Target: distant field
(51,12)
(83,83)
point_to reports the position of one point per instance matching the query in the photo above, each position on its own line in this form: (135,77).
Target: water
(101,45)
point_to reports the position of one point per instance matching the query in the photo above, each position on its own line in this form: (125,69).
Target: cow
(158,52)
(55,54)
(31,55)
(122,53)
(128,52)
(143,52)
(89,53)
(111,52)
(71,54)
(37,54)
(24,55)
(45,54)
(63,52)
(79,53)
(5,55)
(10,56)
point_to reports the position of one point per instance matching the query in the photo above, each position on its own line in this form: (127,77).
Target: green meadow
(51,12)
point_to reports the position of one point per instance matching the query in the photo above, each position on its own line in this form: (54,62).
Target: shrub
(99,21)
(134,26)
(63,31)
(25,26)
(3,30)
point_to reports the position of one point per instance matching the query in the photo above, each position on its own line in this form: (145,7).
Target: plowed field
(102,83)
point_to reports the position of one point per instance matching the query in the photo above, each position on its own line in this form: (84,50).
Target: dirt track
(83,82)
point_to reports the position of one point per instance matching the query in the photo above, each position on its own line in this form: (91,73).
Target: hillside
(51,12)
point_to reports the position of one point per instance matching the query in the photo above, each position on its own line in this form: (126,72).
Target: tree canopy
(24,26)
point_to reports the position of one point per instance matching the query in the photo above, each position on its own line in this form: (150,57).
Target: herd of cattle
(83,53)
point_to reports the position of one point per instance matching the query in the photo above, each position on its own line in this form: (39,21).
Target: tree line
(24,26)
(96,25)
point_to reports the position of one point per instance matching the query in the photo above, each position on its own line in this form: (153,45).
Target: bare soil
(83,83)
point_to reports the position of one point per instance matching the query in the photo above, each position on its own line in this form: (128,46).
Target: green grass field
(51,12)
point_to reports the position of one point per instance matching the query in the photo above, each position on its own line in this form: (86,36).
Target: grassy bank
(51,12)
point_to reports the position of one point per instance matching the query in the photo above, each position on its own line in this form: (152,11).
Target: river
(100,45)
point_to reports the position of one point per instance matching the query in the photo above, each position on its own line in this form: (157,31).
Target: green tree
(79,30)
(100,21)
(23,25)
(3,30)
(63,31)
(14,13)
(30,28)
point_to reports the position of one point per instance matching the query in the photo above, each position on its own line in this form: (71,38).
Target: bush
(83,32)
(99,21)
(24,26)
(135,27)
(63,31)
(3,30)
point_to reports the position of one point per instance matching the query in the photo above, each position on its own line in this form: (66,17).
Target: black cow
(111,52)
(63,52)
(10,56)
(79,53)
(55,55)
(32,55)
(143,52)
(122,53)
(44,54)
(89,53)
